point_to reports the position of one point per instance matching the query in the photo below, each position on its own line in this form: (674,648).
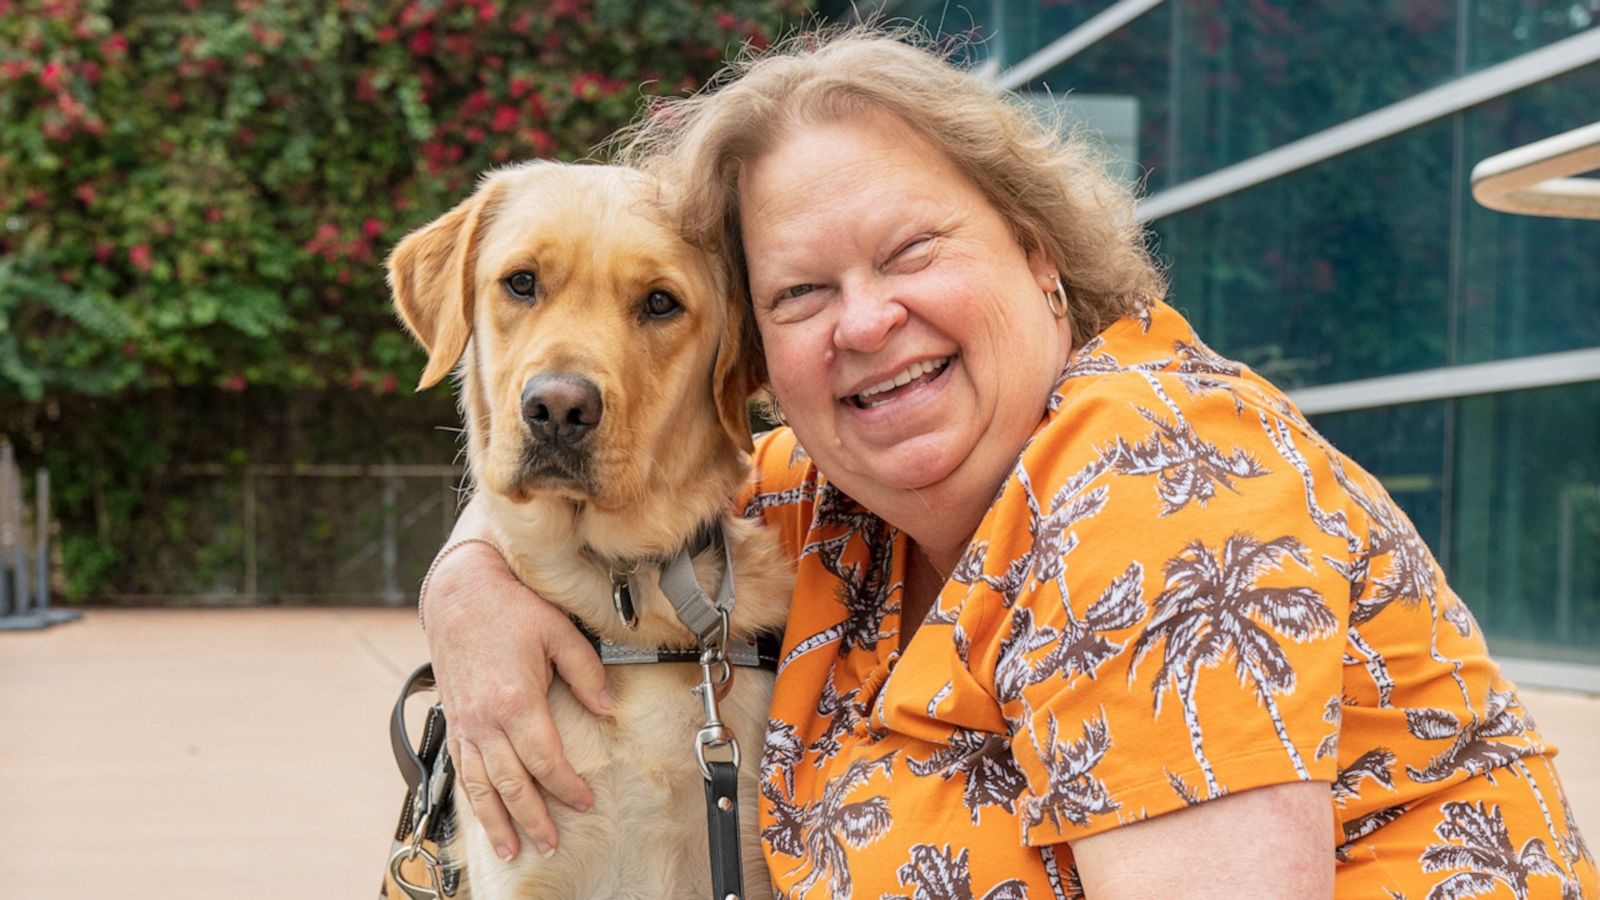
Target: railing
(1537,179)
(25,570)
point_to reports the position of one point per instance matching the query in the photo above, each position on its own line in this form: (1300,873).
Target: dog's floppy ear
(737,374)
(430,275)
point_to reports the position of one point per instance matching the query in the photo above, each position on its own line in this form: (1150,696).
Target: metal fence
(299,534)
(25,551)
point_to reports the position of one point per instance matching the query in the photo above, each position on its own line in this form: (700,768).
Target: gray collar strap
(698,612)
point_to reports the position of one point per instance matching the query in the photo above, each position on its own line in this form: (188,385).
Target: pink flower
(113,46)
(86,193)
(103,252)
(233,384)
(371,228)
(726,21)
(388,384)
(505,119)
(139,256)
(213,215)
(421,43)
(50,76)
(388,34)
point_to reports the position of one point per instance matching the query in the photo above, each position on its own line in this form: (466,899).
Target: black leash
(428,812)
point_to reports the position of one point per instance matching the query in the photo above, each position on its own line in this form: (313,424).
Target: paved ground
(243,754)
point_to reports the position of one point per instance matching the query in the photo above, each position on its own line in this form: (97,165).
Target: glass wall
(1376,262)
(1220,81)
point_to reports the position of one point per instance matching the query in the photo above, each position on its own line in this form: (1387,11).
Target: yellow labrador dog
(604,381)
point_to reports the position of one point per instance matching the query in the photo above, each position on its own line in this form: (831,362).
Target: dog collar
(696,610)
(758,652)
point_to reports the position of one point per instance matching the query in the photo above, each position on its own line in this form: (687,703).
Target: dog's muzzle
(561,409)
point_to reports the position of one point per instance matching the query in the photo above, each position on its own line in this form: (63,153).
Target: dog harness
(428,813)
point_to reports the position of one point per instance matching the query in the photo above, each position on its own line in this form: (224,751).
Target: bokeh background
(196,198)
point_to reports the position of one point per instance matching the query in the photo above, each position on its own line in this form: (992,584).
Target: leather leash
(430,774)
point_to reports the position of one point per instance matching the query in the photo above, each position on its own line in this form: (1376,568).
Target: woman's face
(907,336)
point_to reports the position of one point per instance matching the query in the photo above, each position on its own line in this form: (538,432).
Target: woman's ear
(430,274)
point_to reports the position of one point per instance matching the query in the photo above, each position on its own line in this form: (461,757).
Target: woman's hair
(1052,189)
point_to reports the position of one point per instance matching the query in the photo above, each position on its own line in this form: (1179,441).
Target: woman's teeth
(910,373)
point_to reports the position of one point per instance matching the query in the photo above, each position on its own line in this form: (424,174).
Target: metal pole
(41,542)
(8,606)
(391,542)
(19,550)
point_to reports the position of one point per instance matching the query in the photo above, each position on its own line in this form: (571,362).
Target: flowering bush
(197,195)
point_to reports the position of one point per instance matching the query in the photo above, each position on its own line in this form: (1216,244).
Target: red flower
(213,215)
(233,384)
(50,76)
(388,34)
(726,21)
(371,228)
(505,118)
(139,256)
(520,86)
(388,384)
(86,193)
(113,47)
(474,133)
(421,43)
(103,252)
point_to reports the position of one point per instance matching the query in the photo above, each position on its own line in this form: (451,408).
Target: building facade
(1305,170)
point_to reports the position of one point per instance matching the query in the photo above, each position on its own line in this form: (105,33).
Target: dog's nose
(561,408)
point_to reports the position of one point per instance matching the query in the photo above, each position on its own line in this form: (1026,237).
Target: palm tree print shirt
(1181,591)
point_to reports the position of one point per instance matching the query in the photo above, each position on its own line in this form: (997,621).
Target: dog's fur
(667,455)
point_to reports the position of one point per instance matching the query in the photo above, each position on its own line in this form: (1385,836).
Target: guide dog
(603,376)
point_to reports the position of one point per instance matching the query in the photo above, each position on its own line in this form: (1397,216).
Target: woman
(1081,607)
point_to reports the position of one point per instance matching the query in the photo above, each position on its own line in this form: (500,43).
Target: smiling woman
(1081,607)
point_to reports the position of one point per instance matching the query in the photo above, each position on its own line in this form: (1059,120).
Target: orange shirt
(1181,591)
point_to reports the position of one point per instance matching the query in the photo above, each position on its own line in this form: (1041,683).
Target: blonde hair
(1052,189)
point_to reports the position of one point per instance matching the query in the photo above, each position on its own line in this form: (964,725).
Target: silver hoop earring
(1056,298)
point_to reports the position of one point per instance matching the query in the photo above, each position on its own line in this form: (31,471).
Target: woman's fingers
(577,664)
(539,754)
(487,807)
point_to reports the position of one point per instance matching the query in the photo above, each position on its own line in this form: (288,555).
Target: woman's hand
(495,646)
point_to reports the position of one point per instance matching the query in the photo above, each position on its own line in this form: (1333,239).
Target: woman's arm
(495,646)
(1271,842)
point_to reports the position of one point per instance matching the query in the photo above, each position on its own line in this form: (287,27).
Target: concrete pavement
(241,754)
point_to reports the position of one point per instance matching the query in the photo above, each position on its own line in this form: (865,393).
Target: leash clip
(716,679)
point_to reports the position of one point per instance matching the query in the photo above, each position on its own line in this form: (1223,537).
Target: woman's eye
(912,251)
(799,290)
(522,285)
(661,304)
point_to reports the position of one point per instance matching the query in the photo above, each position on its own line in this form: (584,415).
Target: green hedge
(196,198)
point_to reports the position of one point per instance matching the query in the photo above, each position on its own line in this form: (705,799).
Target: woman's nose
(867,317)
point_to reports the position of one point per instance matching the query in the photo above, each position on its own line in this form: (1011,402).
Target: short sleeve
(781,490)
(1174,614)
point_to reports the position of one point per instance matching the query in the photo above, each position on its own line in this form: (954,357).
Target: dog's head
(603,353)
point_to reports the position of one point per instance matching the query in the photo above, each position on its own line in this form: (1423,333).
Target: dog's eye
(661,304)
(522,284)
